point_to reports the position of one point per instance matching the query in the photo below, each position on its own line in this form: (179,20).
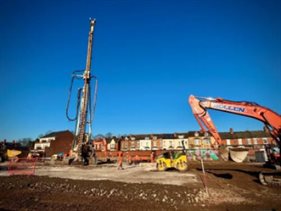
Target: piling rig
(81,147)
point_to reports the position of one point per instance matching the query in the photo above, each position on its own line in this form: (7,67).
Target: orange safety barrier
(22,166)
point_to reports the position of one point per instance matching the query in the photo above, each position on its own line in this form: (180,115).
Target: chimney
(231,131)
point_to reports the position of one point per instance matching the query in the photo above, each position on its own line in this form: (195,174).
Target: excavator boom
(271,119)
(199,107)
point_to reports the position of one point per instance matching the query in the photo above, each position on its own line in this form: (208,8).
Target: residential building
(53,143)
(145,143)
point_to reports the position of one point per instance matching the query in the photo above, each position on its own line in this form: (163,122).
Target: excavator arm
(203,118)
(200,105)
(271,119)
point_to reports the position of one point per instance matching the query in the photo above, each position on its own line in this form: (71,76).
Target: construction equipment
(170,159)
(8,152)
(13,153)
(271,119)
(81,149)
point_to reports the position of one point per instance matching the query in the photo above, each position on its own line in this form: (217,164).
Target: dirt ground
(229,186)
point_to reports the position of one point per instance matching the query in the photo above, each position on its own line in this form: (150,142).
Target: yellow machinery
(168,160)
(13,153)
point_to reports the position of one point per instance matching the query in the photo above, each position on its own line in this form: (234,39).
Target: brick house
(255,139)
(166,141)
(100,144)
(54,143)
(191,140)
(112,144)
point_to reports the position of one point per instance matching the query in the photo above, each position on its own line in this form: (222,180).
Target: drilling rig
(81,148)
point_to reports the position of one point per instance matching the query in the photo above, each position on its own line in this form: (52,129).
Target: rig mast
(83,110)
(80,136)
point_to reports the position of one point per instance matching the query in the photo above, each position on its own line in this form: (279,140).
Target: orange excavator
(271,120)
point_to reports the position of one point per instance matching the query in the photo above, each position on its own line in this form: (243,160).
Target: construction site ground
(226,186)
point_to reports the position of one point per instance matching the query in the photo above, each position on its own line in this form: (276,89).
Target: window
(265,141)
(255,141)
(147,145)
(154,144)
(132,144)
(240,141)
(170,144)
(103,147)
(180,144)
(227,141)
(206,141)
(249,141)
(112,146)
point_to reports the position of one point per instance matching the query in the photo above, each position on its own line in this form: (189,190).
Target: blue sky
(149,56)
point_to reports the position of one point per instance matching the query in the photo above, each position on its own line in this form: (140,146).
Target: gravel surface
(229,187)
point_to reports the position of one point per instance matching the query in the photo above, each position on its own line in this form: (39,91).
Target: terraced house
(190,140)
